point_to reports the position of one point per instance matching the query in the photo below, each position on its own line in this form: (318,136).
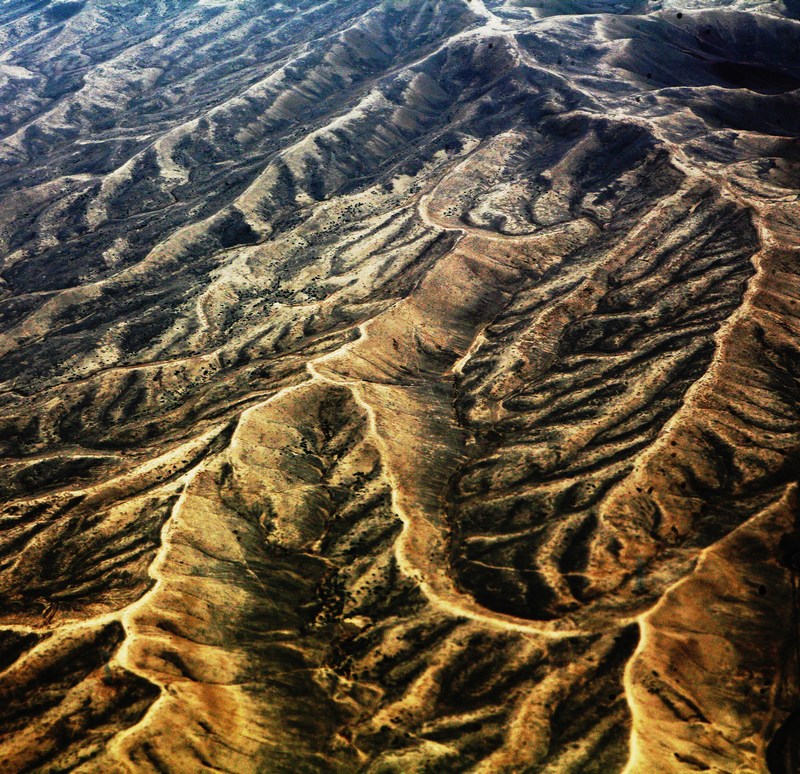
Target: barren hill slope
(399,385)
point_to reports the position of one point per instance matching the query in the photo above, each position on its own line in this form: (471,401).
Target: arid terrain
(399,386)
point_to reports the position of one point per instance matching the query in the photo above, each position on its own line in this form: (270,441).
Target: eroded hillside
(403,386)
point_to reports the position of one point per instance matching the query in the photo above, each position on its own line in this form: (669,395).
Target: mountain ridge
(395,386)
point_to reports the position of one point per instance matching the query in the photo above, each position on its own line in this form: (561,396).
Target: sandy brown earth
(402,386)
